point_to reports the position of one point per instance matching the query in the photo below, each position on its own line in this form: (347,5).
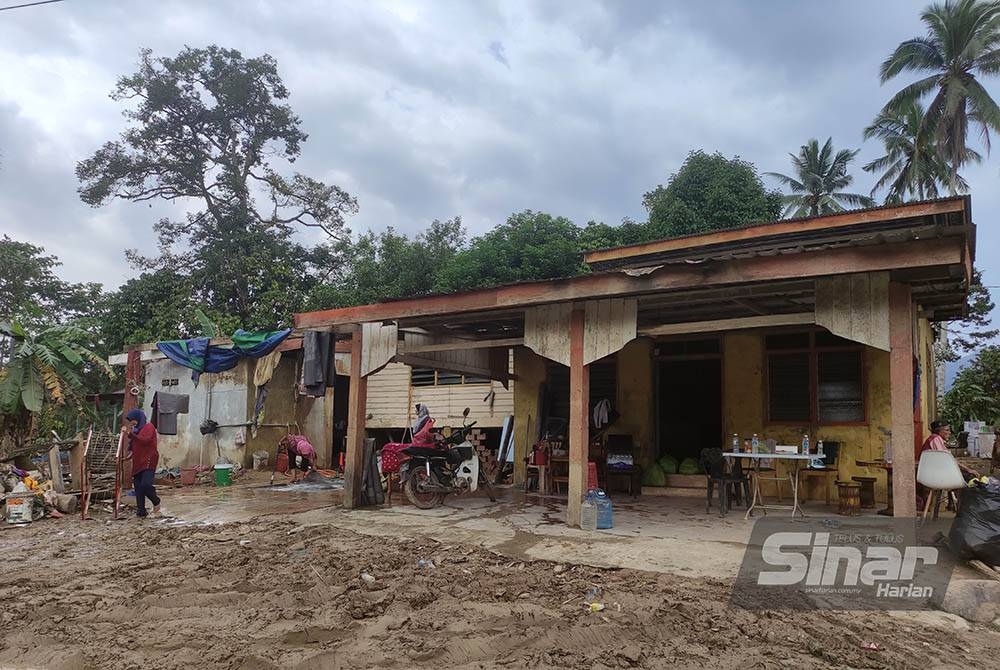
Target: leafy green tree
(820,174)
(206,128)
(974,330)
(154,306)
(528,246)
(598,235)
(391,265)
(30,291)
(962,42)
(709,192)
(39,368)
(975,395)
(911,166)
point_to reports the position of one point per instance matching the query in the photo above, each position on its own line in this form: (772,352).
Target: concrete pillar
(901,390)
(579,424)
(357,401)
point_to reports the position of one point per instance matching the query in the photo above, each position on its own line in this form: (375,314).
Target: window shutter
(840,392)
(788,387)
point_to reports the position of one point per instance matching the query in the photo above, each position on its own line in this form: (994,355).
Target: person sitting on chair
(938,441)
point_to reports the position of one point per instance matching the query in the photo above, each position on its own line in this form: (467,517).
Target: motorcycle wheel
(420,500)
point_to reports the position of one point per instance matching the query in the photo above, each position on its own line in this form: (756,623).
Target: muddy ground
(131,594)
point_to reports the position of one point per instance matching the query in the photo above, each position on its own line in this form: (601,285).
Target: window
(429,377)
(603,385)
(814,378)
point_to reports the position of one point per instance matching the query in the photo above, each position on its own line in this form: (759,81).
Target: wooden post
(579,402)
(901,388)
(55,470)
(356,408)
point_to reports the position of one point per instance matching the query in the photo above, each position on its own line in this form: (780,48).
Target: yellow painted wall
(529,368)
(636,397)
(744,393)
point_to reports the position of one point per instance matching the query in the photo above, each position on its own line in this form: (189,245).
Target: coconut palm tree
(820,174)
(911,167)
(46,366)
(963,41)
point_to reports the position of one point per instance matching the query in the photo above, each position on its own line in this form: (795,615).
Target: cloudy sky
(431,110)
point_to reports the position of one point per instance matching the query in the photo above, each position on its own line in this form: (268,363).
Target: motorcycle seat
(425,452)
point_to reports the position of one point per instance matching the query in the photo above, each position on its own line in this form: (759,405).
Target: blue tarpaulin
(201,356)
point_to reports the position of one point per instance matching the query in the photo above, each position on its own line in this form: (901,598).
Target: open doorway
(341,395)
(689,405)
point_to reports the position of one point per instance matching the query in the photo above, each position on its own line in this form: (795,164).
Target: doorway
(341,394)
(689,406)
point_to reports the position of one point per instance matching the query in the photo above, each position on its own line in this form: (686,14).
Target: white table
(796,460)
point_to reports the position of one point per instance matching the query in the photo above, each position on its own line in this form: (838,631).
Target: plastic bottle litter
(425,565)
(605,516)
(588,513)
(593,593)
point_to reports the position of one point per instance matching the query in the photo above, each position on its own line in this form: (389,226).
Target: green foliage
(911,166)
(975,330)
(390,265)
(528,246)
(709,192)
(31,293)
(975,395)
(42,368)
(820,174)
(206,127)
(962,42)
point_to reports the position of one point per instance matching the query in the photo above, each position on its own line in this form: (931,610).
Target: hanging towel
(316,362)
(166,407)
(265,367)
(602,411)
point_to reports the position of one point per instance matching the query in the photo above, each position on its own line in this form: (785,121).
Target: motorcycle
(449,467)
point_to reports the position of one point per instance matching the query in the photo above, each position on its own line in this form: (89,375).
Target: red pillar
(579,425)
(901,389)
(357,407)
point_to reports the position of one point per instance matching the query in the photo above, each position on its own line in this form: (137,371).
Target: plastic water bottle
(588,513)
(819,449)
(736,443)
(805,443)
(754,444)
(605,518)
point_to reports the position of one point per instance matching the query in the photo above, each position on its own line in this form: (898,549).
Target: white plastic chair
(938,471)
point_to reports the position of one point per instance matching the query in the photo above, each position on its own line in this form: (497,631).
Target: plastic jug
(605,518)
(588,513)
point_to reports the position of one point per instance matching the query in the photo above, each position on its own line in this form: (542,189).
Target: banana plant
(40,369)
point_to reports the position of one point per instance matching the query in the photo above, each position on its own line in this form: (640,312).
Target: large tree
(528,246)
(30,291)
(709,192)
(962,41)
(912,167)
(975,394)
(820,177)
(207,129)
(391,265)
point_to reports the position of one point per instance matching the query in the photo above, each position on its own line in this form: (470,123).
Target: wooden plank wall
(546,331)
(379,346)
(855,307)
(610,325)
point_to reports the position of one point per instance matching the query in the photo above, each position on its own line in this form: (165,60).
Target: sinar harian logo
(809,560)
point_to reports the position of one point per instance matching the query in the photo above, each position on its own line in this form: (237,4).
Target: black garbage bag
(975,532)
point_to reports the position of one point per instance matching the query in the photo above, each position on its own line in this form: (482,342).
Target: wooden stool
(849,494)
(867,491)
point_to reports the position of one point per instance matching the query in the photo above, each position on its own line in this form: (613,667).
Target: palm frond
(919,53)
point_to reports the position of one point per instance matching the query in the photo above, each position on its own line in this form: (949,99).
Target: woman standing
(142,451)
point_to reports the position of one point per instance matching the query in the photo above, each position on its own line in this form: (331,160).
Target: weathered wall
(391,400)
(229,399)
(530,370)
(743,403)
(285,405)
(636,397)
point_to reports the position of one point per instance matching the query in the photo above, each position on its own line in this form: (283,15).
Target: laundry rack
(101,469)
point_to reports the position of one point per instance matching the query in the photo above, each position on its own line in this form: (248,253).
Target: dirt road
(148,594)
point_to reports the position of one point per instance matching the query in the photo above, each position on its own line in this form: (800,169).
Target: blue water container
(605,517)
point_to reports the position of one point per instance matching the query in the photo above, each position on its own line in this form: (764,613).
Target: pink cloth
(301,446)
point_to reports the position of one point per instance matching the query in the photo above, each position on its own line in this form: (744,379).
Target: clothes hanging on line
(166,407)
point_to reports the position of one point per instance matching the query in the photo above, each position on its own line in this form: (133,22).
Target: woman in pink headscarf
(301,455)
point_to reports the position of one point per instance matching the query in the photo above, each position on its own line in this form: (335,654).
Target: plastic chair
(938,471)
